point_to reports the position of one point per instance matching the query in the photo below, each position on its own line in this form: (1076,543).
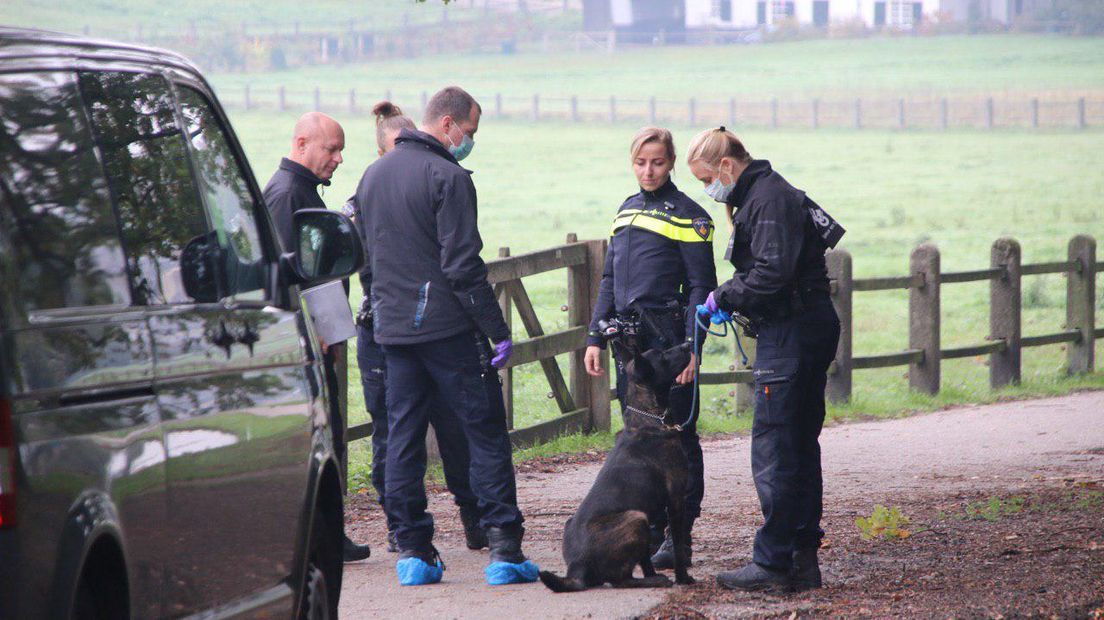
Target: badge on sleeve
(704,227)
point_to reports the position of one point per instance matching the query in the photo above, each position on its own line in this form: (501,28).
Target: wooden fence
(993,112)
(584,402)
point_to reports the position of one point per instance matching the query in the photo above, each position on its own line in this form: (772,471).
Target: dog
(644,474)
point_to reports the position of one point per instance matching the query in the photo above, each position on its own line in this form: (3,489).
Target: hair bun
(385,109)
(721,128)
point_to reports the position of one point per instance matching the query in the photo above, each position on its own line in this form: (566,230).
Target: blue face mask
(462,150)
(719,191)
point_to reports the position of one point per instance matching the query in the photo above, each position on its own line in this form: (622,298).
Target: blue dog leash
(724,319)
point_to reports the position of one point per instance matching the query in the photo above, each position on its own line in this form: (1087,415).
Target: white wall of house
(707,14)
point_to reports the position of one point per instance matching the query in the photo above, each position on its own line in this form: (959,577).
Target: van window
(160,214)
(59,245)
(229,203)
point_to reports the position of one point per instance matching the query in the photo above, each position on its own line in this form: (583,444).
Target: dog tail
(560,584)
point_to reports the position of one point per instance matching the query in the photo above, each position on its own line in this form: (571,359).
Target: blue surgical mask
(719,191)
(462,150)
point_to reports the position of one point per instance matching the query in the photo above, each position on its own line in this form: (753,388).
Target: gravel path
(1006,447)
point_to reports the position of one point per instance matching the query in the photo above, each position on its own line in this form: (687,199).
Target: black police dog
(644,474)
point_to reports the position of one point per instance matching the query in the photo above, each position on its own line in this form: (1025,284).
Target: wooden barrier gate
(584,402)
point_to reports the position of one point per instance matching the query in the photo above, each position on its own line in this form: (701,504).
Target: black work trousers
(458,370)
(791,366)
(450,436)
(663,330)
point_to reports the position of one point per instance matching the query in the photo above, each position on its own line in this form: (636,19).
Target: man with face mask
(316,147)
(433,312)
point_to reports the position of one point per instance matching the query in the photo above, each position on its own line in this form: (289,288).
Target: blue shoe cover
(415,572)
(502,573)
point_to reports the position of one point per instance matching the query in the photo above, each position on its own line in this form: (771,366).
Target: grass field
(122,17)
(892,190)
(960,189)
(945,65)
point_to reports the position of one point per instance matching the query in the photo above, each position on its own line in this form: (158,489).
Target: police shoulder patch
(703,226)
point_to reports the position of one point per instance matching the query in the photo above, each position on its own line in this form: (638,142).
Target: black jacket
(291,188)
(660,251)
(776,247)
(417,213)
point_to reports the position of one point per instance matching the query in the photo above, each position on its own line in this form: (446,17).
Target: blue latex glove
(503,351)
(504,573)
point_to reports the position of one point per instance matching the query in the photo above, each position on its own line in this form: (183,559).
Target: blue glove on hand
(503,351)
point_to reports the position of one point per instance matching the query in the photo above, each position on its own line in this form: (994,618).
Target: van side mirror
(326,246)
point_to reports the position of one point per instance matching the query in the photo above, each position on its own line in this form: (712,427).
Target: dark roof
(26,43)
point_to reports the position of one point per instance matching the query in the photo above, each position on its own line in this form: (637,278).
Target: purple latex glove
(711,304)
(503,351)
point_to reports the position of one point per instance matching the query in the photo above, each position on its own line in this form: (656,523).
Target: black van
(164,439)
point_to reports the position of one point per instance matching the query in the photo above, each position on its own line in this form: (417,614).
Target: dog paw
(685,580)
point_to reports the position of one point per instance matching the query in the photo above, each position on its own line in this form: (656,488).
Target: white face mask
(719,191)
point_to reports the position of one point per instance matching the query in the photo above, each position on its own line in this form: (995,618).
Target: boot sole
(772,588)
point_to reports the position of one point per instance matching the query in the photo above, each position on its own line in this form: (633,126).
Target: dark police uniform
(781,283)
(433,311)
(450,435)
(294,187)
(659,266)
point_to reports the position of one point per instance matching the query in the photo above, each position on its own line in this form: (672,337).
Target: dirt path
(926,463)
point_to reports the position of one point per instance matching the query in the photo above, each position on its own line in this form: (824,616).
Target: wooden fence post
(505,302)
(282,98)
(1004,312)
(924,318)
(839,269)
(574,109)
(1081,304)
(599,386)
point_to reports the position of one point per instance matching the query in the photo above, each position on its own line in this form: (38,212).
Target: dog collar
(657,418)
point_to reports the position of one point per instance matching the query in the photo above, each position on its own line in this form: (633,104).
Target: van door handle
(102,396)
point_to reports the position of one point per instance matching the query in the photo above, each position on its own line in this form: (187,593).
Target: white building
(738,14)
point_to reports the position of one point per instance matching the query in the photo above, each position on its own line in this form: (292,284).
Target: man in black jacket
(315,154)
(434,311)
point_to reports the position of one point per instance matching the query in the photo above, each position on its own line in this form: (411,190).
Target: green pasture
(892,190)
(882,66)
(121,17)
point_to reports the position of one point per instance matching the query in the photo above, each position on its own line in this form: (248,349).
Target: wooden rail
(1005,341)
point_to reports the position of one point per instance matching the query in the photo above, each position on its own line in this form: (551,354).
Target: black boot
(392,541)
(429,555)
(505,544)
(805,573)
(353,552)
(474,536)
(754,578)
(664,558)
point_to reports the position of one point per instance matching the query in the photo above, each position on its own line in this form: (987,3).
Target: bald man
(315,154)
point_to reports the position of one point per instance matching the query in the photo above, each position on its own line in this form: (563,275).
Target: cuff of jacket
(596,341)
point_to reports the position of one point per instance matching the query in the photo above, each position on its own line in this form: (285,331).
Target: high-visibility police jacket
(660,250)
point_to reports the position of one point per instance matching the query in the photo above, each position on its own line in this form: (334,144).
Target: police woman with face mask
(659,267)
(779,237)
